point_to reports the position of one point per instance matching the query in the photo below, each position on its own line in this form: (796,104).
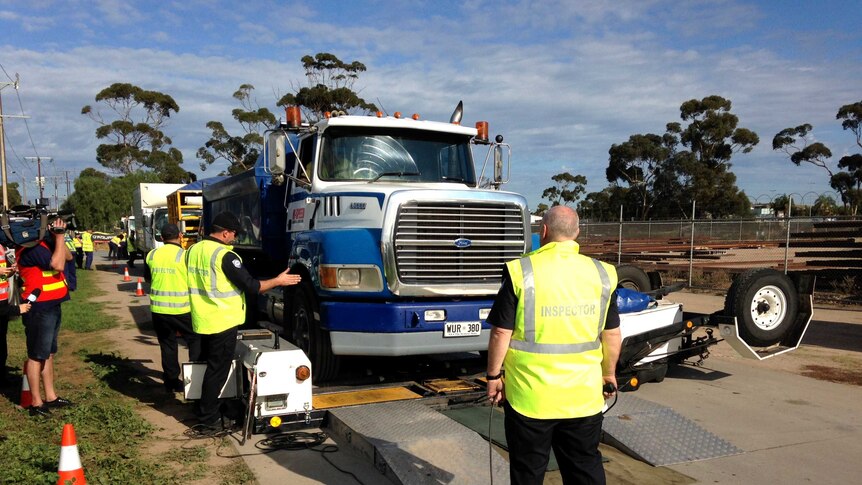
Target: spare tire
(764,302)
(633,278)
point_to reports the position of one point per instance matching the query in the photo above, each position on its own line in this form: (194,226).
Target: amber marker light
(303,372)
(397,115)
(633,382)
(275,421)
(294,116)
(328,277)
(327,114)
(415,116)
(689,324)
(380,114)
(482,128)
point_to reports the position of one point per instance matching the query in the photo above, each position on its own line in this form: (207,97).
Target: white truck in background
(150,212)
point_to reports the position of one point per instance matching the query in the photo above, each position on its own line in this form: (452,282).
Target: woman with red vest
(41,267)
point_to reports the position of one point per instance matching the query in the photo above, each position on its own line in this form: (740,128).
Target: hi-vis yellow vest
(217,304)
(169,291)
(87,241)
(553,365)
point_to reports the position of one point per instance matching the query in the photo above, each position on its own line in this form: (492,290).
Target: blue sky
(561,80)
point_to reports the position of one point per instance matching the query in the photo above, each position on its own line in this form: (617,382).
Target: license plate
(462,329)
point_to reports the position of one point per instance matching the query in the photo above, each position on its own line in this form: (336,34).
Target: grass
(111,435)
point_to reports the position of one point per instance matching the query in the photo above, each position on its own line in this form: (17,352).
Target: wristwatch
(493,378)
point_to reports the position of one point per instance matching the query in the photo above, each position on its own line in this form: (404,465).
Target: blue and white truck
(399,241)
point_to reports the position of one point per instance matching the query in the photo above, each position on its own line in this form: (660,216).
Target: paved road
(793,429)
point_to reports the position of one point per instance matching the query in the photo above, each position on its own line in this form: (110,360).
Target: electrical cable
(490,446)
(300,440)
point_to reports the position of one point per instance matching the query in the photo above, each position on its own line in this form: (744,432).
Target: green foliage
(99,201)
(13,194)
(134,139)
(240,152)
(638,162)
(659,176)
(796,143)
(851,116)
(330,87)
(568,189)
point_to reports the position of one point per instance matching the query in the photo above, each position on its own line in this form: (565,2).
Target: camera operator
(43,267)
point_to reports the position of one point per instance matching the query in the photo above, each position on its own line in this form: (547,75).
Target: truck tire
(305,333)
(633,278)
(764,302)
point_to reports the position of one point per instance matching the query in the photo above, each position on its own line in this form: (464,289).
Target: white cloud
(561,80)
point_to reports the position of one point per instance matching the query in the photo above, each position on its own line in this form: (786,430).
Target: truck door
(300,207)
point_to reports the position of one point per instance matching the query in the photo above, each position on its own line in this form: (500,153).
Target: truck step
(658,435)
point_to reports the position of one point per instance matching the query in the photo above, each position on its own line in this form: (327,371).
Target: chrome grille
(425,235)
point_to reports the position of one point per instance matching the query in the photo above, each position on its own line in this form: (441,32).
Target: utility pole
(39,180)
(3,142)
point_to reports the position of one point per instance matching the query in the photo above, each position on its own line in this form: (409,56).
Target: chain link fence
(707,254)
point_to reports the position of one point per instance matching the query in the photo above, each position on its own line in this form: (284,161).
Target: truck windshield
(351,153)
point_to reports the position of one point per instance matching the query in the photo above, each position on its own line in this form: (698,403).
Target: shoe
(175,385)
(39,410)
(58,403)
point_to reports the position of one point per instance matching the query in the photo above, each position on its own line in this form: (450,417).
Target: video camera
(25,225)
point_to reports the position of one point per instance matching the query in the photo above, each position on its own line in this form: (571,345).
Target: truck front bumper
(399,328)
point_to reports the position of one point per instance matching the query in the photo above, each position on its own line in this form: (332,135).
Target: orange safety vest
(52,283)
(4,281)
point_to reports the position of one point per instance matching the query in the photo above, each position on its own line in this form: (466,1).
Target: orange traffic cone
(140,290)
(70,469)
(126,276)
(26,397)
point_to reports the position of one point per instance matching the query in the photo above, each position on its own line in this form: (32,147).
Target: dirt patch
(831,374)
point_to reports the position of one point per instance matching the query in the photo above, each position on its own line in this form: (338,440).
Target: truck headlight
(344,277)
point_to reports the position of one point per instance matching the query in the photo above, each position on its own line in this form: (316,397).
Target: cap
(170,231)
(227,220)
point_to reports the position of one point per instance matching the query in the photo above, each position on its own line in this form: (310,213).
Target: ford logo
(463,243)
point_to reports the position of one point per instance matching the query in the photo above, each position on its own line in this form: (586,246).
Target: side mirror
(276,156)
(498,165)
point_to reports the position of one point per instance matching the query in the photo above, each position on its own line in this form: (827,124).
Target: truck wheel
(764,302)
(632,278)
(308,336)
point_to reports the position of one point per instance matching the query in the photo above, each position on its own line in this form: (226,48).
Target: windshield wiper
(392,174)
(453,179)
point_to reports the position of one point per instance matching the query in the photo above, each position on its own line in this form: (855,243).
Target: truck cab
(400,249)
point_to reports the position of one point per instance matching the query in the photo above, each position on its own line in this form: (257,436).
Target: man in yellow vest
(79,250)
(556,333)
(169,304)
(87,245)
(217,285)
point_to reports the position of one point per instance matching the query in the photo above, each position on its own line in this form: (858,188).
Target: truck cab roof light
(482,129)
(380,114)
(294,116)
(415,116)
(327,114)
(397,115)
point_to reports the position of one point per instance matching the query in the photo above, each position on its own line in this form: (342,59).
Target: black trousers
(166,327)
(4,352)
(79,257)
(218,351)
(575,442)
